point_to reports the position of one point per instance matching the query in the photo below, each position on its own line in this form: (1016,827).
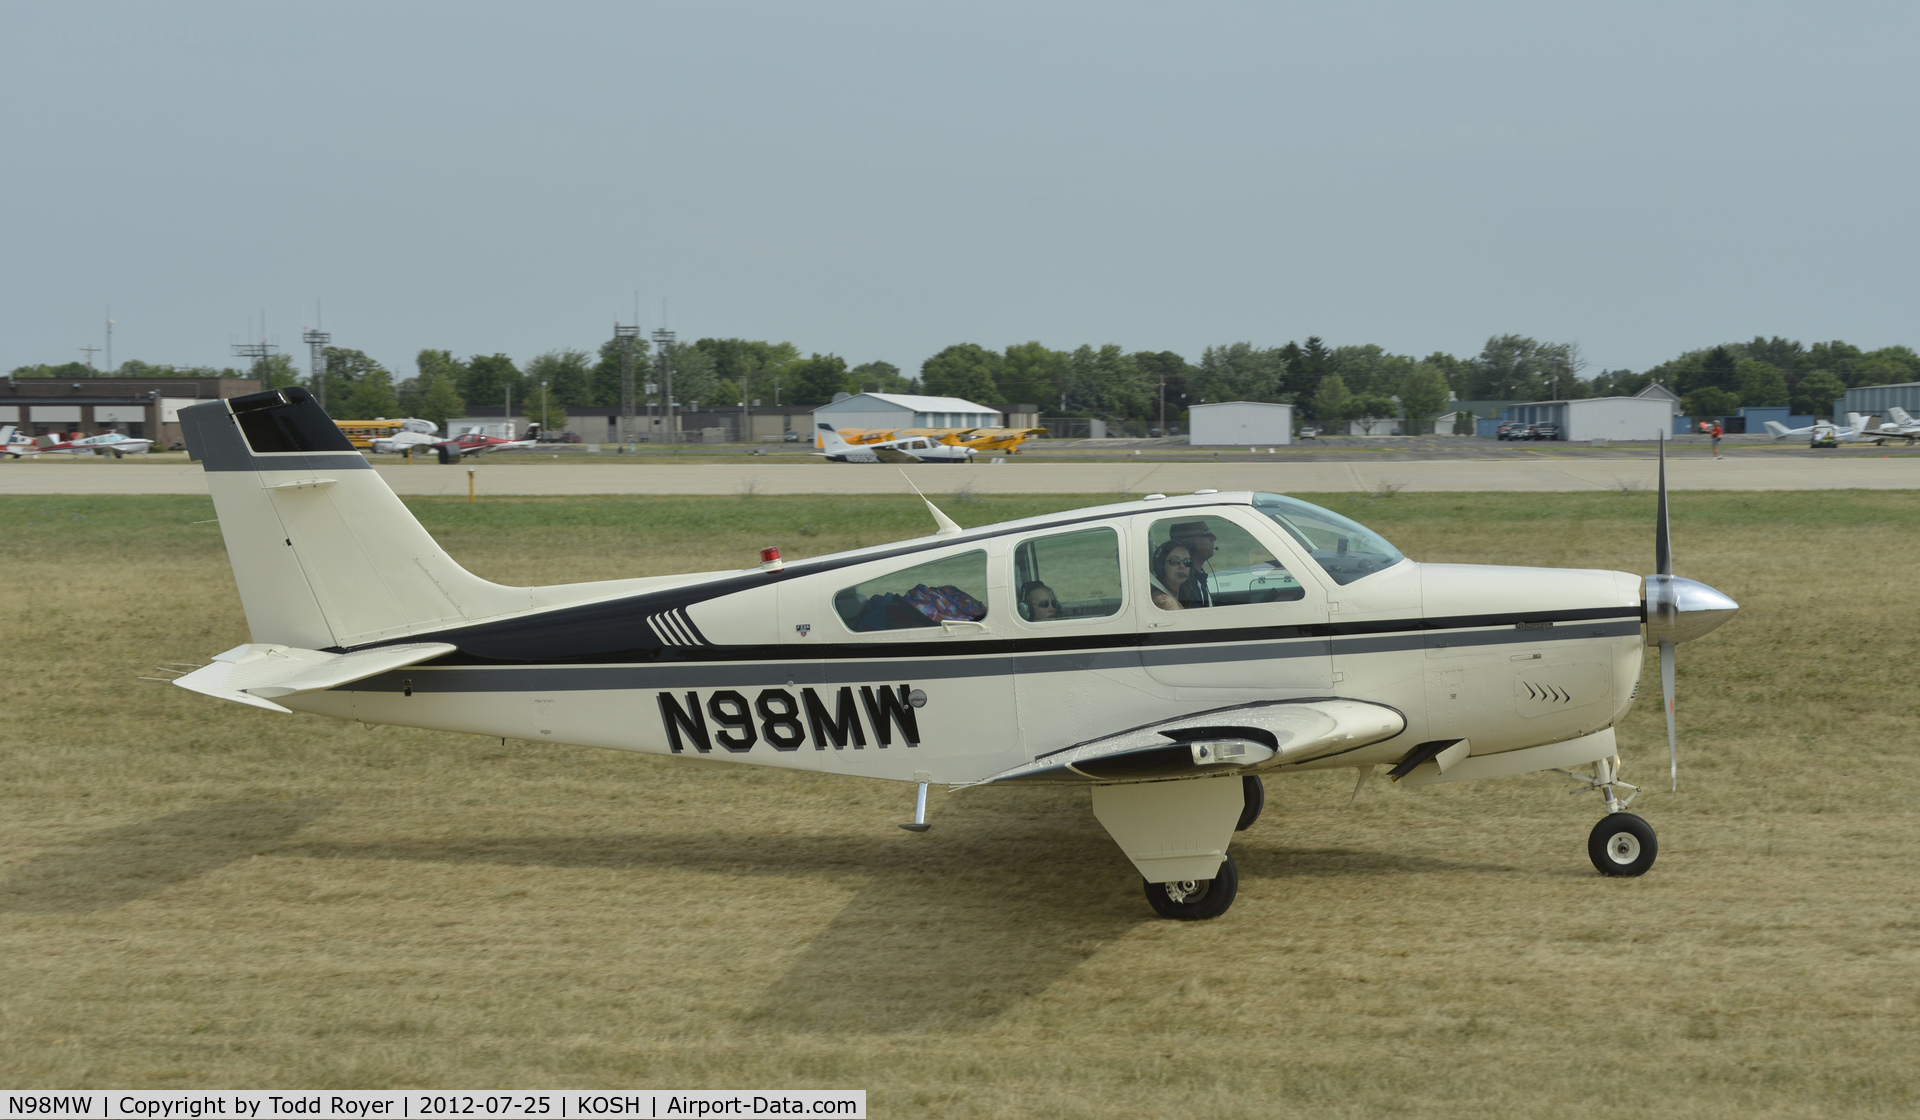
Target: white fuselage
(768,673)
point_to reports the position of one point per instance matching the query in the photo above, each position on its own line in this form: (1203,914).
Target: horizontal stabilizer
(1219,741)
(259,674)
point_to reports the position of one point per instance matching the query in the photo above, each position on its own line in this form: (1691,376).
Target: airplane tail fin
(325,556)
(6,434)
(1777,430)
(828,440)
(1899,416)
(1860,423)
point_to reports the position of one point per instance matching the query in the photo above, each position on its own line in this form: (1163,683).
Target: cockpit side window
(1068,576)
(952,587)
(1210,561)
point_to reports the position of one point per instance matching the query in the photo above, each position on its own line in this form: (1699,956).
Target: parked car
(1543,431)
(1509,429)
(791,437)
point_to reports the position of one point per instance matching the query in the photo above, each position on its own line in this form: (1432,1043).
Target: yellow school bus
(362,433)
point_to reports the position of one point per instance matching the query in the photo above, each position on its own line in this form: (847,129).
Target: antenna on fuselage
(946,524)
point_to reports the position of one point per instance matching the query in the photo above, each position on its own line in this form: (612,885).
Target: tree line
(1329,386)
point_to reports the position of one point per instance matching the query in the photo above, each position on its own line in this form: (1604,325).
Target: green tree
(815,380)
(1031,374)
(1240,371)
(1815,394)
(68,370)
(1762,384)
(1332,404)
(1371,406)
(1835,357)
(606,375)
(275,371)
(1455,370)
(879,377)
(1423,396)
(1891,365)
(1709,402)
(1104,382)
(1156,368)
(965,370)
(1315,362)
(694,379)
(1510,367)
(1718,369)
(371,396)
(345,370)
(434,393)
(489,378)
(1368,368)
(751,364)
(568,374)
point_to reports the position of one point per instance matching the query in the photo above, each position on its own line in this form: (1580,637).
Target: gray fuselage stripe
(943,666)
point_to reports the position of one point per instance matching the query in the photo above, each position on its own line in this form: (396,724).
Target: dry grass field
(196,894)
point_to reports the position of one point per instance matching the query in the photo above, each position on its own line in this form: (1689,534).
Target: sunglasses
(1043,605)
(1180,562)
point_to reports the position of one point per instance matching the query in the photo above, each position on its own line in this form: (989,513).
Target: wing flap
(259,674)
(1216,742)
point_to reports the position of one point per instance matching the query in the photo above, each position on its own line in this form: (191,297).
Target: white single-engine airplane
(1031,651)
(115,444)
(912,449)
(14,444)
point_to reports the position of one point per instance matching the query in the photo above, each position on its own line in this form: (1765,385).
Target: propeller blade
(1662,536)
(1666,693)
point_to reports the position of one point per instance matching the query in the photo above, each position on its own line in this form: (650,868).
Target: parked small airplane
(1899,424)
(913,449)
(473,441)
(412,434)
(106,443)
(1167,653)
(980,439)
(13,443)
(1825,433)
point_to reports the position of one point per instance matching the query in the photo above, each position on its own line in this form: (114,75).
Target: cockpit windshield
(1344,549)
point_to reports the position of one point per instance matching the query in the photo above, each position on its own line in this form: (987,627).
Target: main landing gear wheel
(1256,795)
(1196,900)
(1622,844)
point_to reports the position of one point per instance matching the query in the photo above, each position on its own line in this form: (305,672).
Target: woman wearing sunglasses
(1172,570)
(1038,602)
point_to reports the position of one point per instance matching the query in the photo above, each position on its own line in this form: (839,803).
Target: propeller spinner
(1678,610)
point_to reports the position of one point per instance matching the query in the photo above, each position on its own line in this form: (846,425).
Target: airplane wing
(1219,741)
(257,674)
(895,455)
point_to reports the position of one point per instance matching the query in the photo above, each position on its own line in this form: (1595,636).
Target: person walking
(1716,433)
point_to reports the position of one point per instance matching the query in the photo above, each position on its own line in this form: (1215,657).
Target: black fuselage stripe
(931,665)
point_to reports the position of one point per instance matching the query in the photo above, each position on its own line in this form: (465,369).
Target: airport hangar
(1598,417)
(141,407)
(1240,424)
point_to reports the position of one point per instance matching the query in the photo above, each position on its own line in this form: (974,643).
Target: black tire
(1622,845)
(1256,794)
(1206,898)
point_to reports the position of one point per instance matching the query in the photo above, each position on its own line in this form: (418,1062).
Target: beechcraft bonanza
(474,441)
(914,449)
(13,443)
(1030,651)
(115,444)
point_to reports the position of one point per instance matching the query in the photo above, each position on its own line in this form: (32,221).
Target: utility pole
(545,421)
(109,342)
(628,337)
(1163,406)
(508,417)
(91,351)
(317,362)
(663,342)
(258,351)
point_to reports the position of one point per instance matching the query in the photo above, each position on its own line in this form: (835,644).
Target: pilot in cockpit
(1038,603)
(1199,541)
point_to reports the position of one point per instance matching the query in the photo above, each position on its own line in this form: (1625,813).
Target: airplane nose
(1680,609)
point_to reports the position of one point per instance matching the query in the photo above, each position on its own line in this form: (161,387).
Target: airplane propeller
(1678,610)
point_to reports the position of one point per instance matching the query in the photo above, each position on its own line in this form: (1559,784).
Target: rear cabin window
(954,587)
(1067,576)
(1200,561)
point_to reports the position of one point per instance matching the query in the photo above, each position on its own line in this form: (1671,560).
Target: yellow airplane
(980,439)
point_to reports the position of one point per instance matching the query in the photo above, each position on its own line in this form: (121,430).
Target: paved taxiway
(500,476)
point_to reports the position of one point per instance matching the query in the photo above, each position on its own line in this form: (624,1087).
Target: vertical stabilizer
(325,556)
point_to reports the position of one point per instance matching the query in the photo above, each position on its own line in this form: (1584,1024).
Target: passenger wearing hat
(1199,541)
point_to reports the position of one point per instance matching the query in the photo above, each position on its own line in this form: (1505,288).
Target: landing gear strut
(1622,844)
(1194,900)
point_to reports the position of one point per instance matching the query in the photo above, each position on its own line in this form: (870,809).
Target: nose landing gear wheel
(1622,844)
(1196,900)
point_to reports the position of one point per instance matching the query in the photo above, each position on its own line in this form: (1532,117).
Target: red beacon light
(770,560)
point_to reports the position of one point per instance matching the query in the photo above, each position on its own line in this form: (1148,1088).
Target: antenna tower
(317,361)
(663,342)
(628,337)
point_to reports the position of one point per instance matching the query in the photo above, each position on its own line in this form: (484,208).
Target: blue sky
(881,180)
